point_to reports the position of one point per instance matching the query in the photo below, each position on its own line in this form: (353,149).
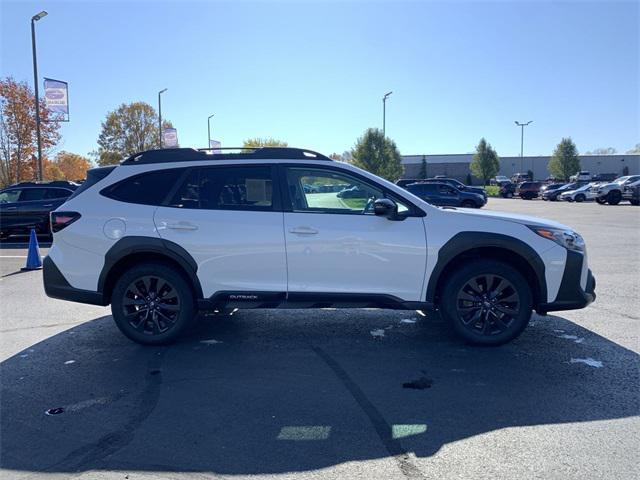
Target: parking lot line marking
(311,432)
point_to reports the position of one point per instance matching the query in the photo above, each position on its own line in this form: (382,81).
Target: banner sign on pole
(56,97)
(169,138)
(216,145)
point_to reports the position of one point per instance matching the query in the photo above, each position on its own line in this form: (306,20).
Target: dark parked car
(508,190)
(27,205)
(443,194)
(604,177)
(528,190)
(458,184)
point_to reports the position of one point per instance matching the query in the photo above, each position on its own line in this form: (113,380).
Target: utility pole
(522,125)
(384,113)
(160,115)
(34,19)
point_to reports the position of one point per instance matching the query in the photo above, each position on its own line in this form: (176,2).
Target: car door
(448,195)
(229,219)
(337,245)
(38,203)
(9,208)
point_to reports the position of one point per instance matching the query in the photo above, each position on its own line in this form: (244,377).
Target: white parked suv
(168,232)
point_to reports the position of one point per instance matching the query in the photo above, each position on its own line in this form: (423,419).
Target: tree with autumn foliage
(18,141)
(129,129)
(71,166)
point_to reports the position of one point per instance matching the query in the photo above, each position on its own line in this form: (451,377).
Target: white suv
(168,232)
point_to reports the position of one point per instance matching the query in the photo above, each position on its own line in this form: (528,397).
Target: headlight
(565,238)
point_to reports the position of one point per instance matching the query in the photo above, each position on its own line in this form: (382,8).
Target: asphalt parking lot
(329,394)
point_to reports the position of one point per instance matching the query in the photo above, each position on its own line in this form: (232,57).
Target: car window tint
(226,188)
(149,188)
(57,193)
(31,194)
(320,190)
(10,196)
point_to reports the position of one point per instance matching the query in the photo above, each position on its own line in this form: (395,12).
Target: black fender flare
(134,245)
(464,242)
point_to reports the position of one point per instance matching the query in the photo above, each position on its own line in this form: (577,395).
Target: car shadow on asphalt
(264,392)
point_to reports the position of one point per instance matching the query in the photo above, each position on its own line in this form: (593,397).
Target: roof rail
(170,155)
(54,183)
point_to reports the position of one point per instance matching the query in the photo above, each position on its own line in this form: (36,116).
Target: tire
(466,287)
(601,200)
(635,202)
(509,195)
(468,204)
(129,306)
(614,197)
(580,198)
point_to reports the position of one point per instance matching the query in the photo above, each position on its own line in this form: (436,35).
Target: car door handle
(182,226)
(304,231)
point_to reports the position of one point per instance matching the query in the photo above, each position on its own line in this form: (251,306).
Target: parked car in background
(25,206)
(458,184)
(445,195)
(553,194)
(403,182)
(584,176)
(631,193)
(528,190)
(519,178)
(579,194)
(353,192)
(604,177)
(499,180)
(550,187)
(508,190)
(611,193)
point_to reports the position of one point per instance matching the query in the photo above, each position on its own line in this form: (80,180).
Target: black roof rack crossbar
(170,155)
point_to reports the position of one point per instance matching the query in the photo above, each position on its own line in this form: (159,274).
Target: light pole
(34,19)
(522,125)
(160,115)
(384,112)
(209,129)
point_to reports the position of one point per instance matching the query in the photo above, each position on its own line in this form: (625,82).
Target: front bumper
(571,296)
(56,286)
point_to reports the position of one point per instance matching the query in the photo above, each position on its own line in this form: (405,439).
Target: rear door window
(32,194)
(150,188)
(53,193)
(226,188)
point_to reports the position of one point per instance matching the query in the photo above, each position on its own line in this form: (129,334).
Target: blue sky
(313,73)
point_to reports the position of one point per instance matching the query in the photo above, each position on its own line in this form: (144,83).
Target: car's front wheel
(580,198)
(487,302)
(468,204)
(614,197)
(152,304)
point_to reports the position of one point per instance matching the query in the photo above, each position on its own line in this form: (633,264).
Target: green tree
(263,142)
(423,168)
(565,161)
(129,129)
(485,163)
(378,154)
(635,149)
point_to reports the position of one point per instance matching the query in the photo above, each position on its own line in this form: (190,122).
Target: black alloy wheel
(487,302)
(153,303)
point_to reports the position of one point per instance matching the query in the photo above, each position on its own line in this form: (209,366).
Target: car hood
(509,217)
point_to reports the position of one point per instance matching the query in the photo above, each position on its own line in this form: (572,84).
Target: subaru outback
(169,232)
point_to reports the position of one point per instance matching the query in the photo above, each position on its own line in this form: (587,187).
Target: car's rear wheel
(152,304)
(580,198)
(614,197)
(487,302)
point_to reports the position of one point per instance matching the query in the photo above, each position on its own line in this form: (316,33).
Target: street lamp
(209,129)
(522,125)
(384,112)
(34,19)
(160,115)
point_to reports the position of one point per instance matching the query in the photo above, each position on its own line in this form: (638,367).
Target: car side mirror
(383,207)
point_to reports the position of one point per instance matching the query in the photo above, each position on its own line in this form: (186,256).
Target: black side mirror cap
(384,207)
